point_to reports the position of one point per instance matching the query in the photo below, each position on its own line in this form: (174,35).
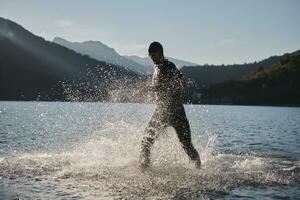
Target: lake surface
(55,150)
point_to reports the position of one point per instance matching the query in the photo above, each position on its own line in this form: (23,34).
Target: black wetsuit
(169,111)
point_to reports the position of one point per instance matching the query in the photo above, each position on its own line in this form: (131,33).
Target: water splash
(107,163)
(104,85)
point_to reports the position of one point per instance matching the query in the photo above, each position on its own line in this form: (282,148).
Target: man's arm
(183,82)
(150,88)
(154,88)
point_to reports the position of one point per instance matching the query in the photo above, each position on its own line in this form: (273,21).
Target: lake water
(54,150)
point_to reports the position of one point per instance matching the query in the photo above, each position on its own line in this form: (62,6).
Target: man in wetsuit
(167,83)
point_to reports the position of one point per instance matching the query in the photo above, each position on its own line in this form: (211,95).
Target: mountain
(206,75)
(32,68)
(101,52)
(147,62)
(181,63)
(277,84)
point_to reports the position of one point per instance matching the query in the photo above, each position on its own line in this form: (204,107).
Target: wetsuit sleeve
(179,74)
(176,73)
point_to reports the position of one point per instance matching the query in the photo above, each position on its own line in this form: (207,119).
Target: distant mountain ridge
(101,52)
(277,84)
(32,68)
(147,62)
(205,75)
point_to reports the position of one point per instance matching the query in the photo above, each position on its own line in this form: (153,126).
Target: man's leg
(182,128)
(151,131)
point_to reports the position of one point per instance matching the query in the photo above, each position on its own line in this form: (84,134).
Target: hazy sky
(200,31)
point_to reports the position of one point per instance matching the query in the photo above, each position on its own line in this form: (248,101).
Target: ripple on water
(107,167)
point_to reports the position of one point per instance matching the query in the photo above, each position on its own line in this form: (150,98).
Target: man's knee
(147,141)
(149,135)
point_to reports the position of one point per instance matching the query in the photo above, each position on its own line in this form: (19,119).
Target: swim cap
(155,47)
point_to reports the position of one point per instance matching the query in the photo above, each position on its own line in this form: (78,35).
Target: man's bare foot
(144,163)
(144,167)
(198,164)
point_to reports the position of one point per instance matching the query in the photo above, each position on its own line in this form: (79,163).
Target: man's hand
(183,82)
(154,88)
(149,88)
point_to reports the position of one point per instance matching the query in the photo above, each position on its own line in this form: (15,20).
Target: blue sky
(200,31)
